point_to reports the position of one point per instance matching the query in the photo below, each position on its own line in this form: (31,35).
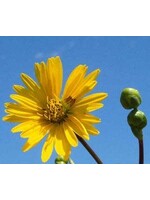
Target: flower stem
(141,151)
(88,148)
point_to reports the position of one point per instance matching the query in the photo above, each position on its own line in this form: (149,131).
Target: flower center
(54,111)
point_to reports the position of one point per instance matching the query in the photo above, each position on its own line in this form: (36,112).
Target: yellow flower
(42,111)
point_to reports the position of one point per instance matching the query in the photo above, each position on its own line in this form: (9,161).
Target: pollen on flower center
(54,111)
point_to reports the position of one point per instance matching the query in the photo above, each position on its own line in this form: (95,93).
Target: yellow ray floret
(41,111)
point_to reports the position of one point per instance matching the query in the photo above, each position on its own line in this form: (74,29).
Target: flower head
(42,111)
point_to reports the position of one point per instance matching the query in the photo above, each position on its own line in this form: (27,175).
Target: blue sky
(124,62)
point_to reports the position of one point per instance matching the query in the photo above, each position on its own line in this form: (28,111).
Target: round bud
(130,98)
(137,119)
(60,160)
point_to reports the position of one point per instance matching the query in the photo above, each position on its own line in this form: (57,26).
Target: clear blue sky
(124,62)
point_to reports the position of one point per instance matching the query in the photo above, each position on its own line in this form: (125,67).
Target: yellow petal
(93,98)
(91,76)
(86,108)
(34,131)
(24,92)
(91,129)
(36,95)
(84,89)
(74,81)
(13,118)
(70,135)
(94,107)
(29,82)
(88,118)
(38,134)
(37,70)
(25,102)
(24,126)
(28,133)
(19,107)
(87,84)
(55,74)
(23,114)
(31,143)
(77,126)
(42,77)
(47,148)
(62,145)
(18,88)
(19,110)
(34,89)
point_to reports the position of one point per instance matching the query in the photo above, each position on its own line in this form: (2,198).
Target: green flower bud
(137,119)
(130,98)
(60,160)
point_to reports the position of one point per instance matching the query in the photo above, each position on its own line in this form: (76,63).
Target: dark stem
(88,148)
(141,152)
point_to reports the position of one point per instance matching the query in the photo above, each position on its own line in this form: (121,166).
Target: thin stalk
(88,148)
(141,152)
